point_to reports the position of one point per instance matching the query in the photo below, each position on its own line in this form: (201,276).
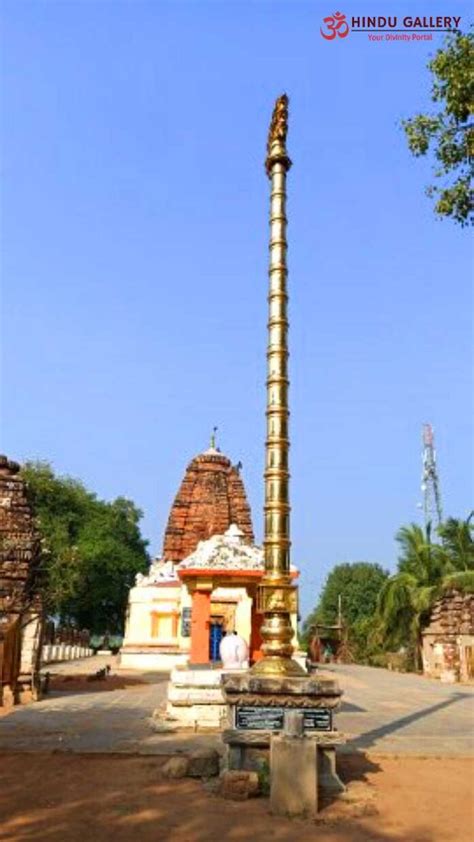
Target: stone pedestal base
(264,701)
(294,776)
(196,699)
(250,750)
(306,691)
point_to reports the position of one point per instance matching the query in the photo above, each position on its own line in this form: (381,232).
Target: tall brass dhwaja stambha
(277,597)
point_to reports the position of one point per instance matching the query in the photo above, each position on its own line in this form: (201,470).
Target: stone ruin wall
(452,616)
(20,607)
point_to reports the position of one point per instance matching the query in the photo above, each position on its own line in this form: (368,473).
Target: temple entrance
(216,631)
(223,612)
(222,620)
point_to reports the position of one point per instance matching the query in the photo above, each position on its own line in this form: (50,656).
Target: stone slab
(299,692)
(234,736)
(197,716)
(195,695)
(245,682)
(294,776)
(196,678)
(283,701)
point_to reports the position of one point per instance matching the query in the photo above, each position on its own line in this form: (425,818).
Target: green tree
(112,552)
(62,506)
(425,569)
(92,549)
(457,537)
(449,132)
(358,586)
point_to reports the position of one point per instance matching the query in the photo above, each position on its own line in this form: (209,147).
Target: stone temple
(210,498)
(206,581)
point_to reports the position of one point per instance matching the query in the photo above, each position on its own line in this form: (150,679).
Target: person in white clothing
(234,652)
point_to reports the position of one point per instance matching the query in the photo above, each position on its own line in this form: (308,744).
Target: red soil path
(110,798)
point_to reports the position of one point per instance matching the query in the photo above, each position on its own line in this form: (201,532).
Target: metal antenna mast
(429,478)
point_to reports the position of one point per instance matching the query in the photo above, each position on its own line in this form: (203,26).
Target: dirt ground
(111,798)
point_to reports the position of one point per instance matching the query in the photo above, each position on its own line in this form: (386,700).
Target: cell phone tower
(430,478)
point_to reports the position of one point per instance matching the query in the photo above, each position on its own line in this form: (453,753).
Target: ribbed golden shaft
(277,594)
(277,505)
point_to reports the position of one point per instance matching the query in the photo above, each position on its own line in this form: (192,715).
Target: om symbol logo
(336,24)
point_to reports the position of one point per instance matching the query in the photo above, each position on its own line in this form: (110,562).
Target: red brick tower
(210,498)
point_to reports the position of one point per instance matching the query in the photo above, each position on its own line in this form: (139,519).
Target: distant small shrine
(205,584)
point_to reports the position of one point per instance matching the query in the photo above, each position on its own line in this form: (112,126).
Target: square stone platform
(243,688)
(196,698)
(256,700)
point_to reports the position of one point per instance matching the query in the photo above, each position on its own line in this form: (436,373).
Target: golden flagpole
(277,597)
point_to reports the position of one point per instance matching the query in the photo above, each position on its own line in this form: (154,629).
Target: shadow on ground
(370,738)
(68,685)
(356,767)
(350,707)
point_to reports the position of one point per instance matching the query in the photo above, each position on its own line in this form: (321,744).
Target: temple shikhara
(205,582)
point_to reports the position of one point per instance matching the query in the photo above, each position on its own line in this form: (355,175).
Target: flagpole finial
(276,142)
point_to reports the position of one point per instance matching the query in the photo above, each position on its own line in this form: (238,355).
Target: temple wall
(152,633)
(153,615)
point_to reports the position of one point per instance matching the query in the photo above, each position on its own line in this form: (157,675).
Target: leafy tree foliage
(425,569)
(450,131)
(358,584)
(92,549)
(457,538)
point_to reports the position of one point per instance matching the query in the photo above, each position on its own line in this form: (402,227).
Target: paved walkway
(393,713)
(95,721)
(383,712)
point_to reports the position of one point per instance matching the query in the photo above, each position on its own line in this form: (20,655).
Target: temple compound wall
(21,616)
(448,640)
(64,643)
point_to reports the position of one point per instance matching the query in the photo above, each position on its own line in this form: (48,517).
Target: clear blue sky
(135,256)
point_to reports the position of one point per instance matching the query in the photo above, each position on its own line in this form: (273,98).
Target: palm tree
(457,538)
(425,570)
(405,599)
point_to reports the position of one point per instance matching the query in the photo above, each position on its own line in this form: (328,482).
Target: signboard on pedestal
(255,718)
